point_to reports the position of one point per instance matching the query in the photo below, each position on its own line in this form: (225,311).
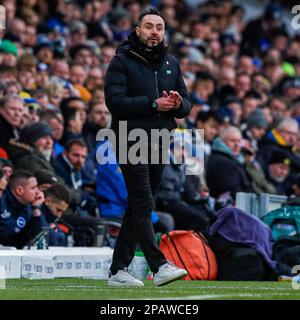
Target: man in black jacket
(143,87)
(225,171)
(11,112)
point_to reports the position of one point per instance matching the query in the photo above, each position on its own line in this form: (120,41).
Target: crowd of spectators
(244,80)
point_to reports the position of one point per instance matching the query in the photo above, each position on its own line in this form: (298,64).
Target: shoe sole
(163,283)
(119,284)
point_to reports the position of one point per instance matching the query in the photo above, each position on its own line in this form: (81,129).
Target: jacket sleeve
(115,90)
(186,104)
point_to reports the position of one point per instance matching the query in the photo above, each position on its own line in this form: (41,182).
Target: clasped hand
(169,101)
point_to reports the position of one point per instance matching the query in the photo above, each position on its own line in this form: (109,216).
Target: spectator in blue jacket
(112,193)
(20,214)
(3,183)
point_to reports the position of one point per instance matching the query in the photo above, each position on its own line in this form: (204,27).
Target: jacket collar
(15,203)
(153,57)
(67,164)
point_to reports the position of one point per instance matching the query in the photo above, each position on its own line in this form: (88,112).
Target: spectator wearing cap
(225,171)
(3,183)
(35,148)
(230,43)
(11,112)
(283,137)
(3,153)
(44,50)
(196,60)
(10,52)
(42,75)
(291,88)
(34,109)
(249,103)
(121,23)
(233,104)
(278,171)
(256,127)
(54,119)
(255,171)
(6,167)
(45,179)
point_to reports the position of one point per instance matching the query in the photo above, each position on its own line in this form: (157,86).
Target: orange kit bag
(191,251)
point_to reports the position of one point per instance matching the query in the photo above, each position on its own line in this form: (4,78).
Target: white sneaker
(167,273)
(124,278)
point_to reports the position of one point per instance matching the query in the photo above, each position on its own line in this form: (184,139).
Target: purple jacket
(240,227)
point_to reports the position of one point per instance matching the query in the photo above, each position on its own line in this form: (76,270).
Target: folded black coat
(286,250)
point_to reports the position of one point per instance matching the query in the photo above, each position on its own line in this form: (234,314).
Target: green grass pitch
(88,289)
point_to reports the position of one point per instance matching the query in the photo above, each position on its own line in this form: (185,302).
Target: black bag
(286,250)
(239,263)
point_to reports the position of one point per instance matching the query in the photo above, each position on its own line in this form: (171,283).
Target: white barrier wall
(60,262)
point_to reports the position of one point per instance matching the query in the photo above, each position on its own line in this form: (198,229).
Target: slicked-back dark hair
(146,12)
(59,192)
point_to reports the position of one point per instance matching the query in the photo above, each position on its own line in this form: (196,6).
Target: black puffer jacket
(225,174)
(132,82)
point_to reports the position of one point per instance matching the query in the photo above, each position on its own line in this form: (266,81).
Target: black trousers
(142,181)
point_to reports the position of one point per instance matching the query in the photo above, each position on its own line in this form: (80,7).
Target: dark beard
(154,55)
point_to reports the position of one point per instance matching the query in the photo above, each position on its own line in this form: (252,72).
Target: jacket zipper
(156,81)
(157,93)
(156,84)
